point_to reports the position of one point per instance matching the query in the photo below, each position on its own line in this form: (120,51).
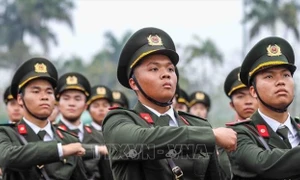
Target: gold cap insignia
(10,97)
(101,90)
(71,80)
(40,68)
(154,40)
(199,96)
(274,50)
(116,95)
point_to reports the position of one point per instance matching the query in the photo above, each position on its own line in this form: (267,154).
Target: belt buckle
(177,172)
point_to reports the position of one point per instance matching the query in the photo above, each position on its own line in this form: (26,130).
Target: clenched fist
(73,149)
(226,138)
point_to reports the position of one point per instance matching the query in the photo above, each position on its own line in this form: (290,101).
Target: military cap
(199,97)
(7,96)
(181,96)
(100,92)
(269,52)
(233,82)
(144,42)
(35,68)
(120,97)
(73,81)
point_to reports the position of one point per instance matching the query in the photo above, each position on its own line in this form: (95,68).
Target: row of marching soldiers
(154,139)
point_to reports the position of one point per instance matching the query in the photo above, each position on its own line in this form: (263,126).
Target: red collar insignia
(22,129)
(184,120)
(262,130)
(147,118)
(63,127)
(59,134)
(88,129)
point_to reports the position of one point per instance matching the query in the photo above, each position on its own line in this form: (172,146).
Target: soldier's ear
(232,105)
(252,91)
(133,84)
(20,99)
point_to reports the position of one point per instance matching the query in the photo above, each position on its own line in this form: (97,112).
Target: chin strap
(37,117)
(162,104)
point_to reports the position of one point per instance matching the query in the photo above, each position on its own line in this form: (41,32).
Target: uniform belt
(175,169)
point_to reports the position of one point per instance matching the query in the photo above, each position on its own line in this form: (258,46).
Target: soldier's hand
(226,138)
(73,149)
(102,150)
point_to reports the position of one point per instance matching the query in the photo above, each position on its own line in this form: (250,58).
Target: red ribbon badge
(262,130)
(147,118)
(88,129)
(22,129)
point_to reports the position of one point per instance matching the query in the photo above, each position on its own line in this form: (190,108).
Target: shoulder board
(188,114)
(59,130)
(234,123)
(115,107)
(8,124)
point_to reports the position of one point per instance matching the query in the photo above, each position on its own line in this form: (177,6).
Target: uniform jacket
(138,151)
(96,168)
(251,160)
(19,161)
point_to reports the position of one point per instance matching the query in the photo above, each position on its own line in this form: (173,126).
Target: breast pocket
(200,164)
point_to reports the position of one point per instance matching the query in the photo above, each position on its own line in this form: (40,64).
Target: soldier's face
(243,103)
(199,110)
(156,76)
(98,110)
(71,104)
(38,97)
(14,110)
(275,87)
(181,107)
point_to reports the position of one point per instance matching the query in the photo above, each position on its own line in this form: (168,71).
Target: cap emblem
(154,40)
(199,96)
(274,50)
(71,80)
(116,95)
(40,68)
(101,90)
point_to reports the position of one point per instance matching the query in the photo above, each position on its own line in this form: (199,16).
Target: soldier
(268,142)
(14,110)
(72,93)
(145,145)
(243,103)
(181,100)
(119,99)
(199,104)
(33,148)
(98,106)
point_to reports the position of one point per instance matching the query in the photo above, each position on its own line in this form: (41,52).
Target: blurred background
(212,37)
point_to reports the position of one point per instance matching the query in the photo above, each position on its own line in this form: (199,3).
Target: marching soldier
(98,106)
(268,142)
(120,99)
(181,100)
(14,110)
(33,148)
(199,104)
(243,103)
(73,92)
(153,141)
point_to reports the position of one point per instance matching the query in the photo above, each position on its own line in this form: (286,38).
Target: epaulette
(191,115)
(62,130)
(234,123)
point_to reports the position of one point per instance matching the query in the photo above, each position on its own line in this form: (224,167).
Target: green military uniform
(120,98)
(96,168)
(23,155)
(139,147)
(252,159)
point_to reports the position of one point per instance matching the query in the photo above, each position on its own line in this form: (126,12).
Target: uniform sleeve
(251,160)
(127,140)
(90,151)
(20,156)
